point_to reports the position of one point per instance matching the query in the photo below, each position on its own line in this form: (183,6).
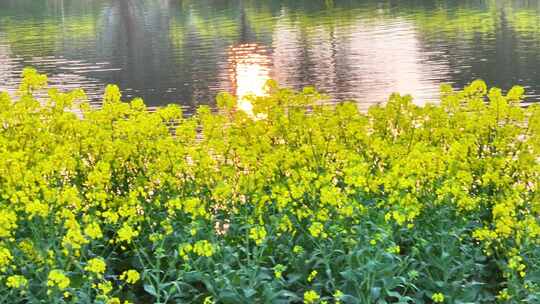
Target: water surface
(185,52)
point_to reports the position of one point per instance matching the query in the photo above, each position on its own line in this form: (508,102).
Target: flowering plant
(311,202)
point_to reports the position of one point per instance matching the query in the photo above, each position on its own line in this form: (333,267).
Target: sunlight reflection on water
(250,70)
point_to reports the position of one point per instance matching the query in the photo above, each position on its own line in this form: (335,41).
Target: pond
(185,52)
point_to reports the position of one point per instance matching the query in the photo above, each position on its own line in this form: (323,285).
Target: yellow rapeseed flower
(312,276)
(285,224)
(96,266)
(394,249)
(298,249)
(105,287)
(16,281)
(114,300)
(74,238)
(57,278)
(208,300)
(503,295)
(184,250)
(437,297)
(258,234)
(203,248)
(8,222)
(5,259)
(338,295)
(130,276)
(37,208)
(311,297)
(93,231)
(278,270)
(27,247)
(317,230)
(126,234)
(167,227)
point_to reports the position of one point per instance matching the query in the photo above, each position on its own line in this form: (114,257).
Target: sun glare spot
(250,70)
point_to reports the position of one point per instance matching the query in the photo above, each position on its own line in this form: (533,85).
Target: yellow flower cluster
(258,234)
(516,264)
(184,250)
(74,238)
(37,208)
(337,296)
(317,230)
(437,297)
(5,258)
(8,222)
(16,281)
(96,266)
(503,295)
(311,297)
(127,234)
(103,288)
(278,271)
(58,279)
(312,276)
(130,276)
(93,231)
(203,248)
(394,249)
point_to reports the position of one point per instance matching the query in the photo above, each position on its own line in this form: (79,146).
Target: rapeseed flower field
(305,203)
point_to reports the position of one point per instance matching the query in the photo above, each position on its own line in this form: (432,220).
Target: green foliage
(305,202)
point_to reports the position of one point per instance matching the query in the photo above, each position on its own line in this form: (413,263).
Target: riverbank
(310,204)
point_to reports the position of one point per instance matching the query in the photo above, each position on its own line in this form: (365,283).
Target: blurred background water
(186,51)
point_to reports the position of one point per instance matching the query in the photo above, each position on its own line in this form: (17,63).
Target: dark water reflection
(173,51)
